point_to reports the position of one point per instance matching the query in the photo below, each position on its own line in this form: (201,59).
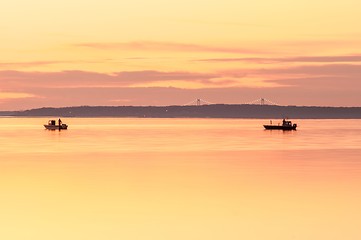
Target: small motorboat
(53,126)
(286,125)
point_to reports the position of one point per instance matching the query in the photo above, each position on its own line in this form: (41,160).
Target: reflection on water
(179,179)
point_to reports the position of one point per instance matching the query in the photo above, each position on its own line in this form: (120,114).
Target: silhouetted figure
(284,122)
(59,122)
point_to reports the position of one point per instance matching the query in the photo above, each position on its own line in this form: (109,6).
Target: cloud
(326,76)
(322,85)
(95,96)
(311,71)
(324,41)
(29,64)
(301,59)
(156,76)
(339,73)
(346,70)
(163,46)
(13,80)
(15,95)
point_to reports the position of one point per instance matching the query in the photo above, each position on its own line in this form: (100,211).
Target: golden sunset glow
(14,95)
(142,178)
(176,120)
(278,49)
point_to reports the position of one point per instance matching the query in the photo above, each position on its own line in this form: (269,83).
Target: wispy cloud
(293,95)
(327,84)
(346,70)
(341,76)
(301,59)
(221,23)
(73,79)
(15,95)
(29,64)
(163,46)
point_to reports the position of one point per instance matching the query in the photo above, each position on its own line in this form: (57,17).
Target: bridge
(259,101)
(198,102)
(262,101)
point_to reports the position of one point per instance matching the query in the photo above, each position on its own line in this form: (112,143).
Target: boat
(53,126)
(286,125)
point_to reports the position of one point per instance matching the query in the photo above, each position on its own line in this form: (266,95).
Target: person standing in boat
(60,122)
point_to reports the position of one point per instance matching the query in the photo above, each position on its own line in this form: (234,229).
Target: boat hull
(56,127)
(280,127)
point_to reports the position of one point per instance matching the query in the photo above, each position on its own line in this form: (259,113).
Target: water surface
(109,178)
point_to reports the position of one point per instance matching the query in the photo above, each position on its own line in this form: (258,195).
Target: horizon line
(178,105)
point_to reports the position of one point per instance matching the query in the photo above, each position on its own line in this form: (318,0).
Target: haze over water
(109,178)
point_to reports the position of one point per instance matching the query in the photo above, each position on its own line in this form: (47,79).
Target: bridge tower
(262,101)
(198,101)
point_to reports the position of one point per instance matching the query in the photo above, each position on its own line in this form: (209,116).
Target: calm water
(179,179)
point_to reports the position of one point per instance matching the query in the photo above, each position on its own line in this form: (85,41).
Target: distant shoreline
(243,111)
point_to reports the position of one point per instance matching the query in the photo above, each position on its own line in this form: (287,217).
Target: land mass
(203,111)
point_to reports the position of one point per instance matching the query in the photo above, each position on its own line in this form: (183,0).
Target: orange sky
(171,52)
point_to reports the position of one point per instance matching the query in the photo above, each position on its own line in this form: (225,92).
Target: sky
(141,52)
